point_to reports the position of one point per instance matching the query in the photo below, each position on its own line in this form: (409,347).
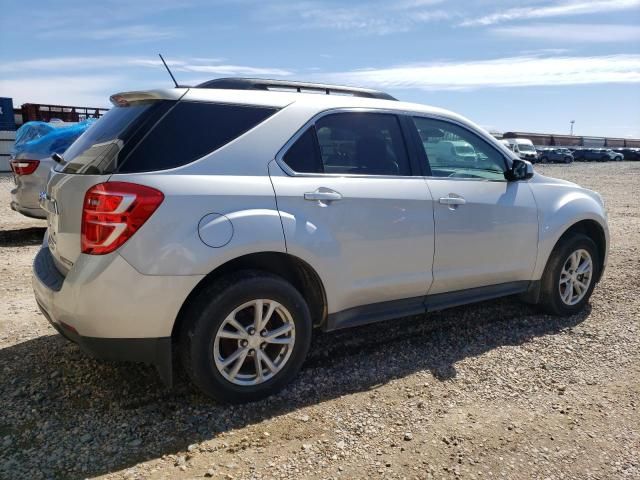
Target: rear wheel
(245,337)
(570,275)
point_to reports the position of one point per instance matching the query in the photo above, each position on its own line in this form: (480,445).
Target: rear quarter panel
(169,242)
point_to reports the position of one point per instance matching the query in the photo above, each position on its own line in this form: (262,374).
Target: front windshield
(525,147)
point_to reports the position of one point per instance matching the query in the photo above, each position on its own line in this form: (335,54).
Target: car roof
(280,99)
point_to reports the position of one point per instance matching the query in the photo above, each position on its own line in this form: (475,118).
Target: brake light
(112,212)
(24,167)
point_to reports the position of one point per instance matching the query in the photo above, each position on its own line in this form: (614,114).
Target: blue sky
(532,65)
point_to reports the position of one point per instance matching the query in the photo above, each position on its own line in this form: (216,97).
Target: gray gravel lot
(494,390)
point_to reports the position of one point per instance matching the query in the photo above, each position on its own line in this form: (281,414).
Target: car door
(352,209)
(486,228)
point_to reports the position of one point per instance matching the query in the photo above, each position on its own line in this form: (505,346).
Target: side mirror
(520,170)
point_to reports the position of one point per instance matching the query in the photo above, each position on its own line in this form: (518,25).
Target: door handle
(323,196)
(452,201)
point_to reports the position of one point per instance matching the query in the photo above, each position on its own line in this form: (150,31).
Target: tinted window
(190,131)
(453,151)
(105,144)
(303,156)
(362,143)
(158,135)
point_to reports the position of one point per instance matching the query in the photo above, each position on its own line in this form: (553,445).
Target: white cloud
(79,64)
(377,18)
(90,91)
(573,32)
(194,65)
(75,81)
(555,9)
(62,63)
(124,34)
(233,70)
(520,71)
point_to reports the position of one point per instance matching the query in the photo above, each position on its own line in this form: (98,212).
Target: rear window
(159,135)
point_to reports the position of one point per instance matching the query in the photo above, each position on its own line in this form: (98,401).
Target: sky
(531,65)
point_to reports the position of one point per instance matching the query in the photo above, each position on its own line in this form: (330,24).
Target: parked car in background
(615,156)
(556,155)
(577,153)
(460,151)
(601,155)
(223,222)
(628,153)
(31,160)
(524,148)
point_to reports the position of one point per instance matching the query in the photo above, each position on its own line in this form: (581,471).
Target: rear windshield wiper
(58,158)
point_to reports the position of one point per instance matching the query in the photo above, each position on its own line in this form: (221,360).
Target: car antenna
(167,67)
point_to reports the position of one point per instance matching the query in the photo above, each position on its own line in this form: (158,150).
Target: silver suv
(224,222)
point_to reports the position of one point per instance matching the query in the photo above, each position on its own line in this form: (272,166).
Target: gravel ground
(493,390)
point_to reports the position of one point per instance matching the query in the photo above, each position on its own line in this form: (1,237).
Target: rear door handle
(323,196)
(452,201)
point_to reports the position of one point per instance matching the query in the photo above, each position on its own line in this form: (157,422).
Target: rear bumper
(154,351)
(25,196)
(29,212)
(109,309)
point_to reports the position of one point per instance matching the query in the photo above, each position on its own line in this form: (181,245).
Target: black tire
(567,160)
(205,315)
(550,299)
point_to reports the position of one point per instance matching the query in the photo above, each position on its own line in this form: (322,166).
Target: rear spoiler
(127,98)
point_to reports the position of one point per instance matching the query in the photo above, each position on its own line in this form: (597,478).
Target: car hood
(539,178)
(544,180)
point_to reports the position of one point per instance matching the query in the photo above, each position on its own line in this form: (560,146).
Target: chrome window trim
(279,158)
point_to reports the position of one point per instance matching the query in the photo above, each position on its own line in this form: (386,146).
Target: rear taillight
(24,167)
(113,212)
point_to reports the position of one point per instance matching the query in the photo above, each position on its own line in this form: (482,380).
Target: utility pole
(571,122)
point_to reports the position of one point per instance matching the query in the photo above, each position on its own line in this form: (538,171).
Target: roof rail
(286,85)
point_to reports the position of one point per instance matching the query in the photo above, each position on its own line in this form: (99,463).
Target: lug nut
(263,333)
(252,352)
(252,331)
(244,343)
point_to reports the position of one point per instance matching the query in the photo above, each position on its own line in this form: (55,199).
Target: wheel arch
(594,230)
(293,269)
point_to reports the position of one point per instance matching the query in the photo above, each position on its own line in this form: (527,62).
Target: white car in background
(523,147)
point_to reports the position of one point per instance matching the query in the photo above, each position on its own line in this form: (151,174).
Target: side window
(362,143)
(453,151)
(303,156)
(190,131)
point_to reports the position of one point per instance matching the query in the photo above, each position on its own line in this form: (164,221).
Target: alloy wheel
(575,277)
(254,342)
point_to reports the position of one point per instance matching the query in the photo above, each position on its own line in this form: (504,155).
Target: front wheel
(570,275)
(245,337)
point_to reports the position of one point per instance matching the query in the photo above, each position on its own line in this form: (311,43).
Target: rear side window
(351,143)
(304,156)
(159,135)
(190,131)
